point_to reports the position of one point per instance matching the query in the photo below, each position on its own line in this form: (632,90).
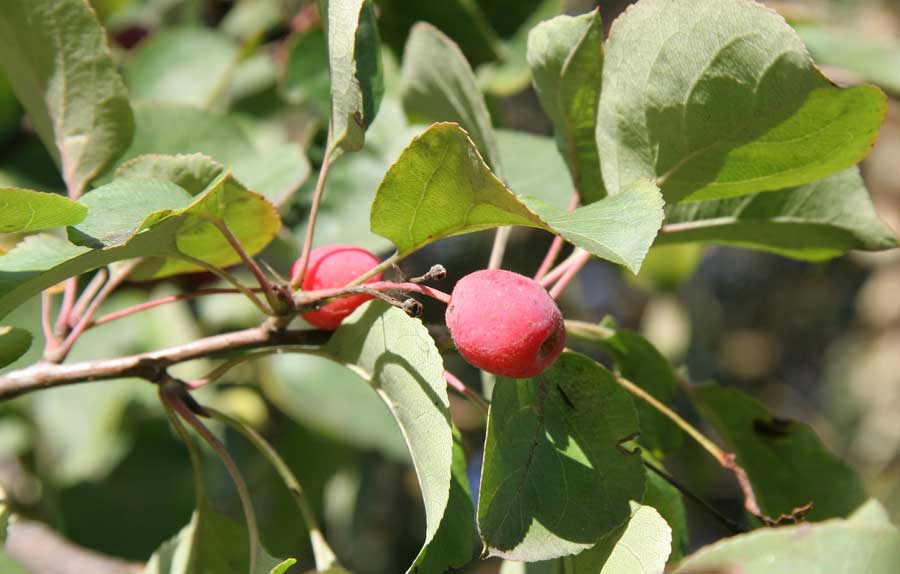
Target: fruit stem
(261,278)
(229,278)
(570,272)
(65,311)
(461,388)
(306,298)
(324,555)
(556,246)
(117,278)
(93,287)
(297,280)
(176,402)
(501,239)
(558,271)
(381,267)
(51,342)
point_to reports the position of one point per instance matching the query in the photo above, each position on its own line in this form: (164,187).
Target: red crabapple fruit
(505,323)
(333,266)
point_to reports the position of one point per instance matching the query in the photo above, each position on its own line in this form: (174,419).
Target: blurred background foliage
(814,342)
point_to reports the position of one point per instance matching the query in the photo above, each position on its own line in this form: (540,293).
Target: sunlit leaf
(27,210)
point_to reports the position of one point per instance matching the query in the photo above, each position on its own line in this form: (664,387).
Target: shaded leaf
(555,478)
(191,172)
(451,546)
(354,63)
(566,59)
(395,354)
(175,129)
(304,74)
(640,362)
(668,501)
(57,59)
(441,187)
(787,464)
(547,180)
(815,221)
(448,92)
(858,544)
(14,343)
(183,65)
(27,210)
(720,100)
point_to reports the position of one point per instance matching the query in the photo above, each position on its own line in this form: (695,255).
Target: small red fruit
(333,266)
(505,323)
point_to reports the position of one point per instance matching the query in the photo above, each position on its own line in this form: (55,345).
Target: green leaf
(787,464)
(354,63)
(162,237)
(718,98)
(858,544)
(27,210)
(640,362)
(566,59)
(304,75)
(57,59)
(191,172)
(876,60)
(395,354)
(441,187)
(555,477)
(304,388)
(640,547)
(448,92)
(14,343)
(547,180)
(451,546)
(117,210)
(174,129)
(667,500)
(815,221)
(184,65)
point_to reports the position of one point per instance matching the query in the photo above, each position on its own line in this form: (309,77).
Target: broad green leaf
(511,75)
(640,547)
(304,388)
(161,237)
(14,343)
(877,61)
(57,59)
(10,110)
(816,221)
(547,180)
(183,65)
(354,63)
(462,19)
(117,210)
(27,210)
(556,477)
(566,59)
(451,546)
(858,544)
(448,92)
(640,362)
(304,74)
(718,98)
(395,354)
(619,228)
(174,129)
(441,187)
(191,172)
(787,464)
(667,500)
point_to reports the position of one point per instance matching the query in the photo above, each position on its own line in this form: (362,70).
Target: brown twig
(152,365)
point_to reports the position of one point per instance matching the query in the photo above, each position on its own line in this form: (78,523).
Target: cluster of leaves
(693,122)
